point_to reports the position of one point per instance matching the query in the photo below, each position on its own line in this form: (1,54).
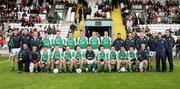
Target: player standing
(94,42)
(82,41)
(14,45)
(106,42)
(71,41)
(58,41)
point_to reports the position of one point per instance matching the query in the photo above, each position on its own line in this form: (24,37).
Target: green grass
(3,59)
(149,80)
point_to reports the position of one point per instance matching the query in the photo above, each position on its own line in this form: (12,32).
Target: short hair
(45,47)
(159,33)
(45,32)
(131,47)
(56,45)
(34,46)
(57,31)
(81,30)
(119,34)
(100,47)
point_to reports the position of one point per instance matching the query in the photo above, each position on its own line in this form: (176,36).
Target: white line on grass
(4,61)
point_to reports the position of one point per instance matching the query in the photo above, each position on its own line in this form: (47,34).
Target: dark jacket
(15,42)
(140,41)
(143,54)
(36,42)
(160,45)
(152,44)
(25,39)
(129,42)
(118,43)
(170,42)
(24,54)
(34,56)
(90,55)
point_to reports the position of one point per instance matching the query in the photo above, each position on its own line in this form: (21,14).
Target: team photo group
(34,52)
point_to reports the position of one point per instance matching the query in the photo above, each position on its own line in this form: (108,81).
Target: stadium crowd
(153,13)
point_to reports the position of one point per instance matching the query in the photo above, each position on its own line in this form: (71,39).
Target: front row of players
(69,60)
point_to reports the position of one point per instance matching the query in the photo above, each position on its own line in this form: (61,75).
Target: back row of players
(93,54)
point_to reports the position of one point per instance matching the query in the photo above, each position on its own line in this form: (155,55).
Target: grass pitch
(148,80)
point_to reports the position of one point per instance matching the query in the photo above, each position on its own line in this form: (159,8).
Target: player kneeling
(34,58)
(122,62)
(112,58)
(143,56)
(132,59)
(102,59)
(56,55)
(44,62)
(67,62)
(79,56)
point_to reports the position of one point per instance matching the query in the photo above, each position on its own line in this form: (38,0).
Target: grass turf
(148,80)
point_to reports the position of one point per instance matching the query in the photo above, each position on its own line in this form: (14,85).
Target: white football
(123,69)
(78,70)
(55,70)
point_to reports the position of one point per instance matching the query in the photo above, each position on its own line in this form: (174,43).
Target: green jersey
(102,55)
(122,55)
(45,56)
(94,42)
(57,54)
(71,42)
(79,55)
(82,42)
(46,42)
(68,55)
(112,55)
(58,41)
(10,42)
(106,42)
(131,55)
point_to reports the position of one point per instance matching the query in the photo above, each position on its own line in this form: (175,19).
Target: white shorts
(95,52)
(15,51)
(141,64)
(90,62)
(72,50)
(51,37)
(83,50)
(107,50)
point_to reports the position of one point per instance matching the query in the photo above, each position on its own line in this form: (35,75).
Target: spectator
(73,28)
